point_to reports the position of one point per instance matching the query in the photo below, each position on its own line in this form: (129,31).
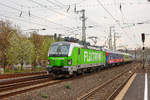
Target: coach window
(78,51)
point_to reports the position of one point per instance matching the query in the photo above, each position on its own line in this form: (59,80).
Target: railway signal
(143,37)
(143,48)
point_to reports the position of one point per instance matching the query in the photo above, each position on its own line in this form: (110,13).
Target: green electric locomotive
(68,58)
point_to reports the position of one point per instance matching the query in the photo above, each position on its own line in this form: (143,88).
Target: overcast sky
(58,16)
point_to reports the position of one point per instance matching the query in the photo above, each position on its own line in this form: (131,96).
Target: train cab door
(79,58)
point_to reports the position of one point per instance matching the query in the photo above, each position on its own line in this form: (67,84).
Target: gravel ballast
(70,90)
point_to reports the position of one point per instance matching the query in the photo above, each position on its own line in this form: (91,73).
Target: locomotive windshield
(59,49)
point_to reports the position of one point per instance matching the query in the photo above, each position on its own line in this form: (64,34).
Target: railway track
(117,90)
(6,76)
(16,83)
(93,94)
(20,85)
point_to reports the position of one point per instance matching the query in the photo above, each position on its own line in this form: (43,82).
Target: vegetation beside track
(10,71)
(17,50)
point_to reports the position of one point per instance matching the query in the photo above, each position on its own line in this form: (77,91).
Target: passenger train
(69,58)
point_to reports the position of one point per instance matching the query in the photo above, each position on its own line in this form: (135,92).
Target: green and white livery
(67,58)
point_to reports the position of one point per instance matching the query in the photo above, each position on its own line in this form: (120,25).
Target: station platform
(137,88)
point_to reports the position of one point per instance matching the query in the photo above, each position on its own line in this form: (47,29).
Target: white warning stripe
(146,88)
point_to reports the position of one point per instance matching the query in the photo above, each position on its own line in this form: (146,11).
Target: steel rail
(22,79)
(23,90)
(27,88)
(17,85)
(94,90)
(117,91)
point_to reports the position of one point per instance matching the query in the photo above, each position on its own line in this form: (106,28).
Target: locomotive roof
(71,43)
(116,52)
(79,45)
(91,47)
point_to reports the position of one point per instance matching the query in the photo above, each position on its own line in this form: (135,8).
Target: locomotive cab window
(59,49)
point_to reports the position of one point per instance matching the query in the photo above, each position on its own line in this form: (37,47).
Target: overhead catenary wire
(99,2)
(35,16)
(52,10)
(66,27)
(25,6)
(46,7)
(60,2)
(65,14)
(123,17)
(54,3)
(22,20)
(110,15)
(70,4)
(20,5)
(18,19)
(63,3)
(51,2)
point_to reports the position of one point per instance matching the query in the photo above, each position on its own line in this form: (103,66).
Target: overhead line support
(83,24)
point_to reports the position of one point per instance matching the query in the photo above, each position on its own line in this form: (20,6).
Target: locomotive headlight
(48,62)
(69,61)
